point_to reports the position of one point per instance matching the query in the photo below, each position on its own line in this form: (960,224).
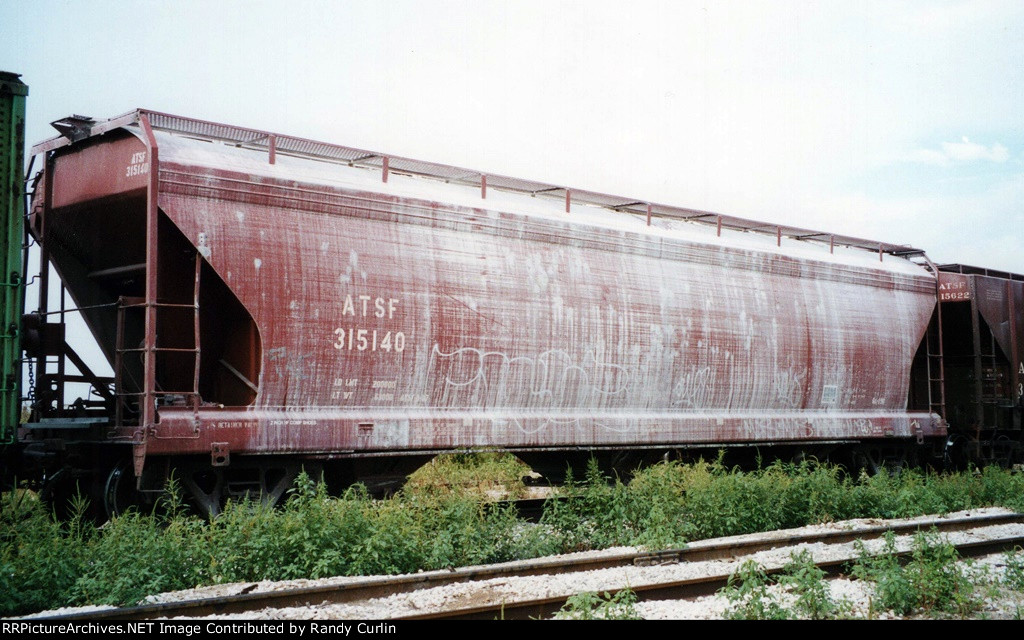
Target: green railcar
(12,209)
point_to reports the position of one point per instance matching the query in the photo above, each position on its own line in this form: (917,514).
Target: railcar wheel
(119,493)
(67,494)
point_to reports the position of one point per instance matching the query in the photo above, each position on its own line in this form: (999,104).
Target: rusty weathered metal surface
(390,321)
(1001,304)
(108,167)
(1000,301)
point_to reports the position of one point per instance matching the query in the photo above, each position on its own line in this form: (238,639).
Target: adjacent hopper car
(268,303)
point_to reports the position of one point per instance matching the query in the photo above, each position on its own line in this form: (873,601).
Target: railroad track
(247,600)
(673,589)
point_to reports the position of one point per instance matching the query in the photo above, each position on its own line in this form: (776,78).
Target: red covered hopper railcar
(267,302)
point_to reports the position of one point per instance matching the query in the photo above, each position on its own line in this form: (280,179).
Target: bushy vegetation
(669,504)
(801,593)
(44,563)
(749,596)
(485,474)
(40,558)
(1014,575)
(933,579)
(929,580)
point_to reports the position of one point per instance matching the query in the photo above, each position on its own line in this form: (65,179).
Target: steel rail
(247,599)
(675,589)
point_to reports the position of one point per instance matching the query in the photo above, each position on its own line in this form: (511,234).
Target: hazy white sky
(895,121)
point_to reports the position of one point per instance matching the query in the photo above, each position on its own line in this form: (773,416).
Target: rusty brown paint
(496,348)
(391,322)
(105,167)
(148,408)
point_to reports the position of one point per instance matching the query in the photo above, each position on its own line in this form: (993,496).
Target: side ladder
(933,347)
(936,365)
(129,402)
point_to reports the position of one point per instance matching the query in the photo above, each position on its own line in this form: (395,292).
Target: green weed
(806,581)
(40,558)
(481,475)
(1013,576)
(592,606)
(931,580)
(749,595)
(802,593)
(45,563)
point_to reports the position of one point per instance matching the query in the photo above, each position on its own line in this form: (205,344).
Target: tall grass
(671,503)
(45,563)
(40,558)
